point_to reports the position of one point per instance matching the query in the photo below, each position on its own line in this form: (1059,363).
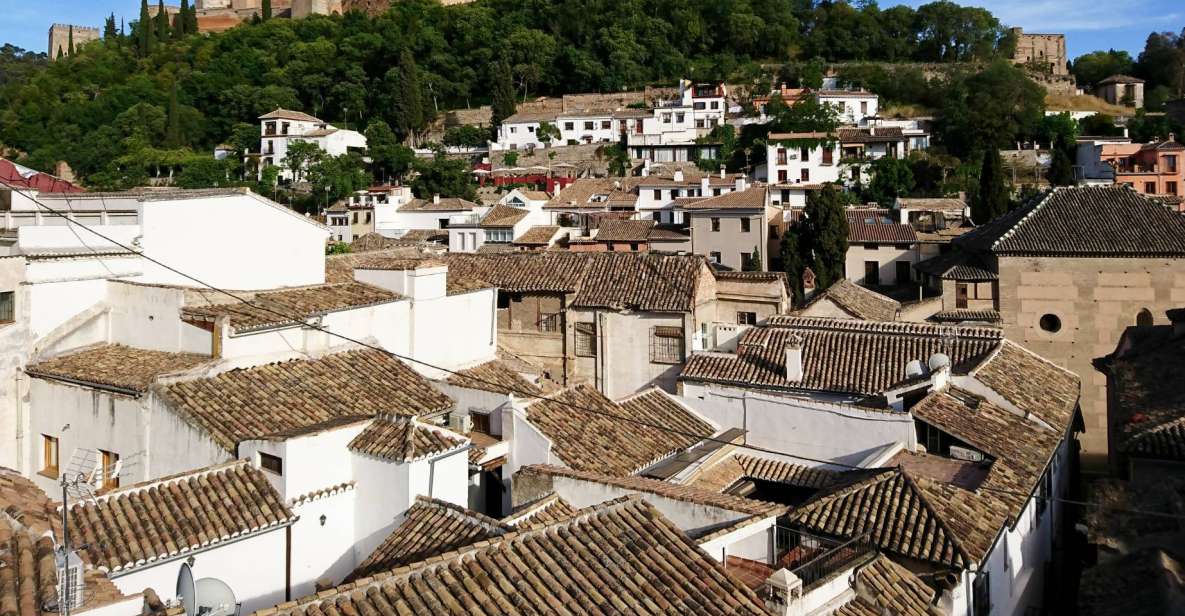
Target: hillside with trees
(147,100)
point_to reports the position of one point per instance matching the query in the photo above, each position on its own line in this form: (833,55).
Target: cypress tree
(1061,170)
(826,235)
(794,261)
(162,22)
(409,99)
(503,105)
(191,24)
(267,9)
(173,130)
(181,23)
(109,32)
(70,40)
(144,30)
(992,198)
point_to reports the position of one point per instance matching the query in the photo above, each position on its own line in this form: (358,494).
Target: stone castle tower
(60,35)
(1045,50)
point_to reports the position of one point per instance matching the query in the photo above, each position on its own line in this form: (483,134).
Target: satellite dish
(938,361)
(914,369)
(186,591)
(215,598)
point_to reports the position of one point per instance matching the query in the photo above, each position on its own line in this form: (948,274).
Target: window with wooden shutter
(666,345)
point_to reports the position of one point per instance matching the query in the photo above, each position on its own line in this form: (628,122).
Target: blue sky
(1088,24)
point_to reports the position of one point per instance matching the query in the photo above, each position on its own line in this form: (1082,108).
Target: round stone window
(1050,323)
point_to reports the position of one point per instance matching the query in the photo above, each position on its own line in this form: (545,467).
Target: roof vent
(938,361)
(914,369)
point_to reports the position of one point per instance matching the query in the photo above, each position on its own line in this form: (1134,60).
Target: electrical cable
(541,398)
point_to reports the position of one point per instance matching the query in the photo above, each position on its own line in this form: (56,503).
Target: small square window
(746,318)
(745,225)
(49,456)
(7,307)
(586,339)
(666,345)
(110,469)
(715,224)
(271,464)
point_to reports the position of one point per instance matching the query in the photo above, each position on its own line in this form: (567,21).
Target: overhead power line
(531,395)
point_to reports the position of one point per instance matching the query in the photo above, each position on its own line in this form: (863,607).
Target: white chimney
(678,175)
(435,198)
(705,186)
(646,168)
(794,359)
(741,184)
(722,172)
(939,365)
(783,595)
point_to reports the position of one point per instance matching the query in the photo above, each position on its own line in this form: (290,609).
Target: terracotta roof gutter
(135,393)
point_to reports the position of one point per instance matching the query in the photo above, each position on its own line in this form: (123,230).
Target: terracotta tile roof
(28,575)
(429,528)
(963,315)
(1119,79)
(503,216)
(292,305)
(539,235)
(1147,409)
(139,525)
(495,376)
(422,235)
(115,365)
(752,198)
(865,135)
(690,178)
(546,511)
(1094,220)
(878,227)
(255,403)
(596,193)
(686,493)
(857,301)
(896,510)
(884,587)
(641,281)
(957,265)
(1032,384)
(619,558)
(528,116)
(446,204)
(725,473)
(403,439)
(288,114)
(840,355)
(624,230)
(599,440)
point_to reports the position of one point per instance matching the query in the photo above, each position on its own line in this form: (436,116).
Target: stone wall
(1041,49)
(1093,300)
(59,38)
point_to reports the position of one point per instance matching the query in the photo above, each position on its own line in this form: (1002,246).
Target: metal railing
(821,557)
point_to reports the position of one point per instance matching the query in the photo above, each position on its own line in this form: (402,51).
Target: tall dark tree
(110,34)
(794,260)
(191,24)
(70,40)
(826,235)
(266,9)
(992,199)
(410,114)
(181,22)
(173,136)
(1061,170)
(162,22)
(503,105)
(144,30)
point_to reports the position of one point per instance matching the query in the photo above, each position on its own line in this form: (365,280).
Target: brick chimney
(794,369)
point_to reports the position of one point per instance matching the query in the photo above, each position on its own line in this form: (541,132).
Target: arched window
(1144,319)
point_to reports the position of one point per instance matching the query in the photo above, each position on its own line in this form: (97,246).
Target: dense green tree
(391,159)
(201,171)
(547,132)
(1089,69)
(471,136)
(336,177)
(990,109)
(443,176)
(1099,125)
(181,22)
(109,31)
(992,199)
(173,136)
(1061,170)
(825,235)
(509,158)
(1162,62)
(891,178)
(266,9)
(301,156)
(808,115)
(1058,128)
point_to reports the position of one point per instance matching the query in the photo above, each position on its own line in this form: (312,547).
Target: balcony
(815,560)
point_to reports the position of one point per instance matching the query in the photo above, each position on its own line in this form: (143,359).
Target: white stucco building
(281,128)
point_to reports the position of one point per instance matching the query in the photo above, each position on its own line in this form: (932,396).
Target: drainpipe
(288,563)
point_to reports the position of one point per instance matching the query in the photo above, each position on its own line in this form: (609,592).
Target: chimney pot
(794,368)
(678,175)
(722,172)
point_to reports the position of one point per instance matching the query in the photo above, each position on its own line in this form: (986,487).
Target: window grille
(586,339)
(666,345)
